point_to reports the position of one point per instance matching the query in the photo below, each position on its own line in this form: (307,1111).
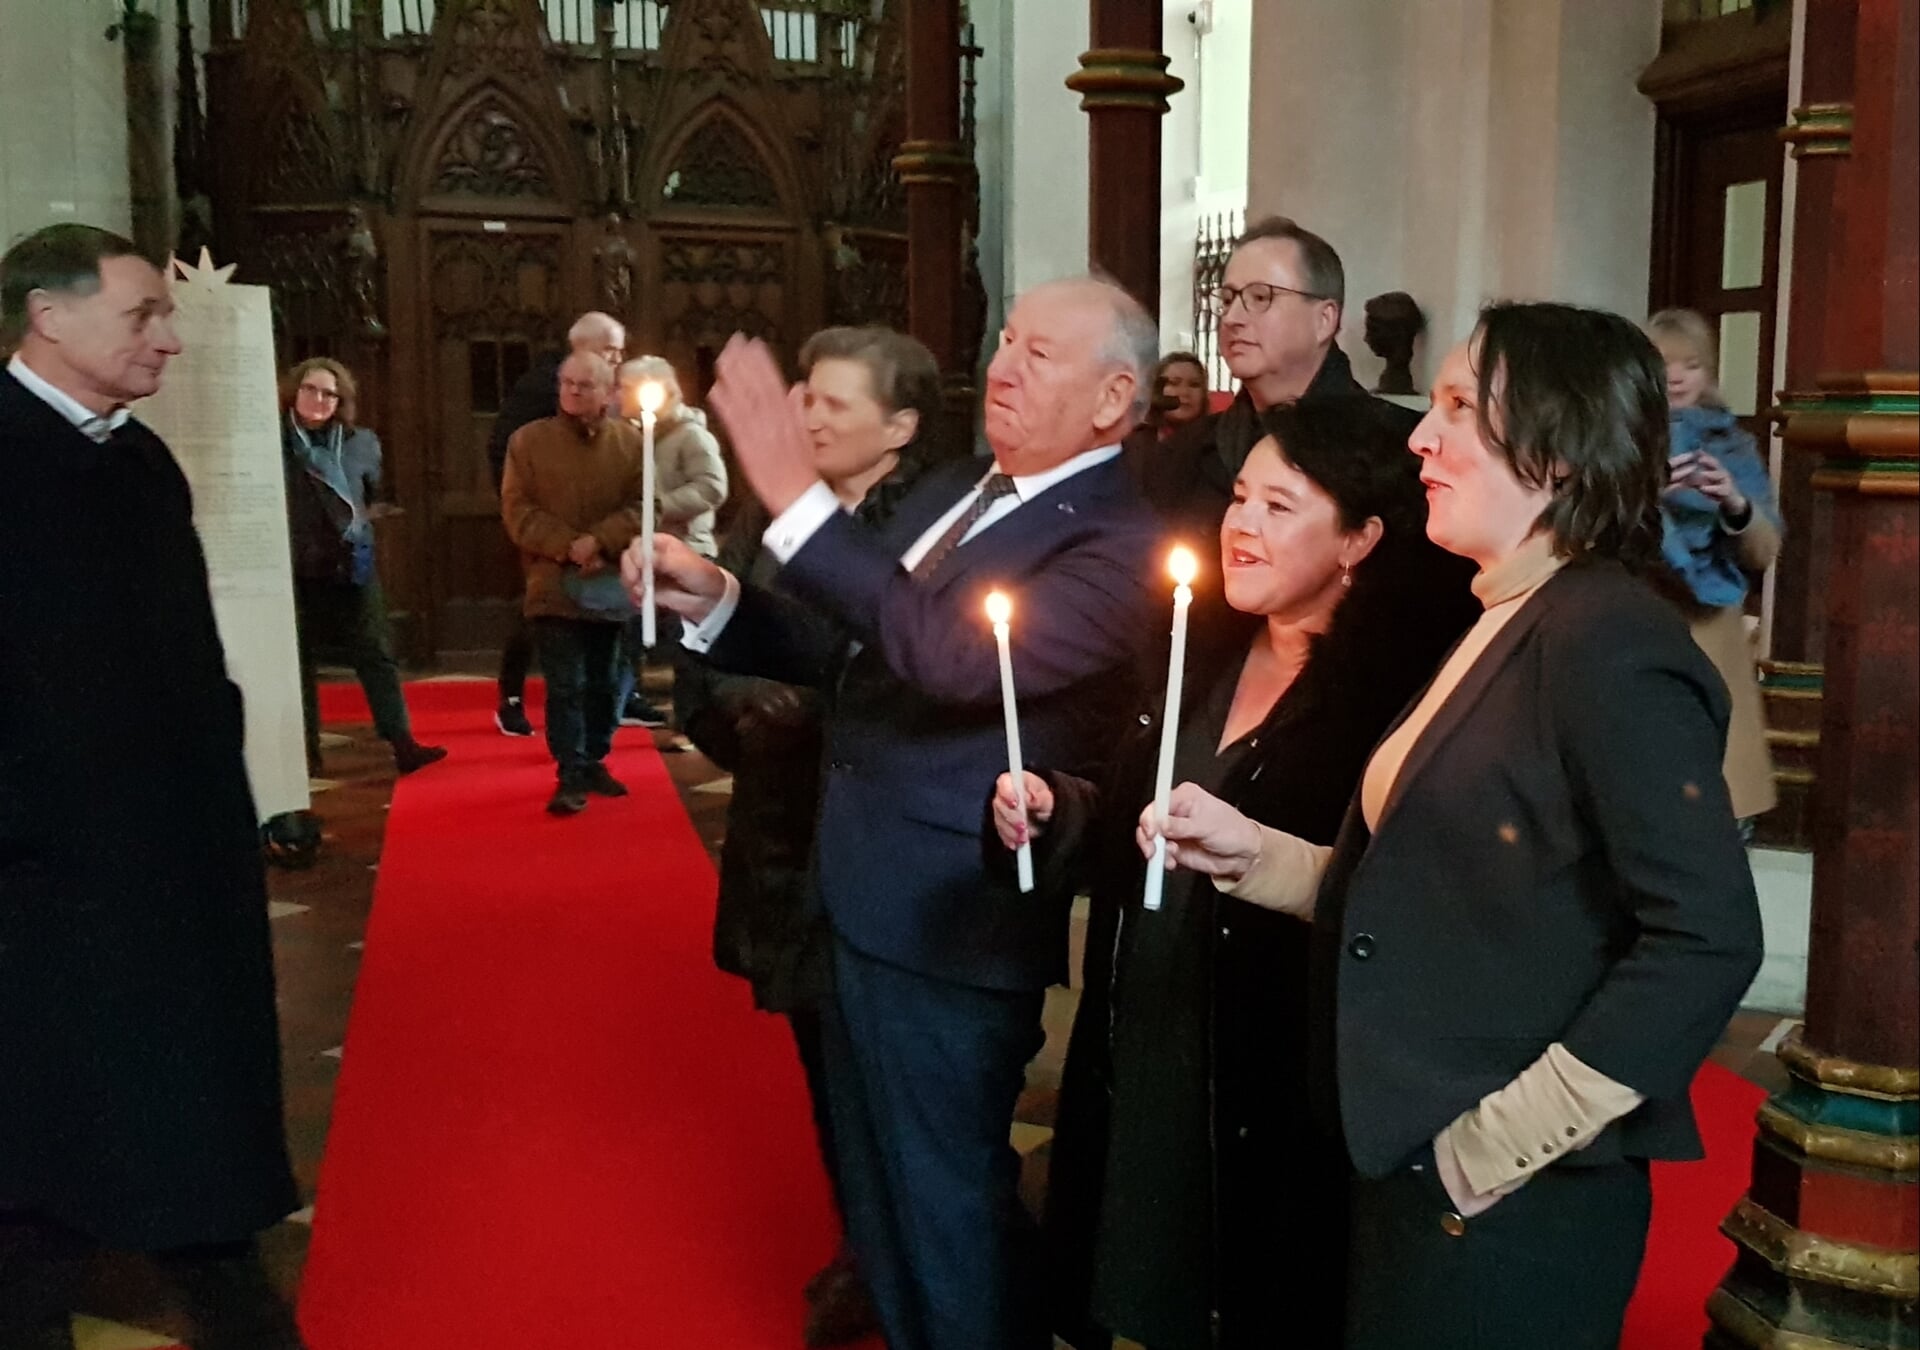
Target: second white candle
(1183,566)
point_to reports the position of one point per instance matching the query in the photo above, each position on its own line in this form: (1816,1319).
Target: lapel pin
(1066,507)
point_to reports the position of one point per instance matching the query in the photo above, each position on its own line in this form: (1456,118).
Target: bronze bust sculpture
(1394,320)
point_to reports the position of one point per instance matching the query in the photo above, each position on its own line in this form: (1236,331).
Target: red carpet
(556,1124)
(1686,1256)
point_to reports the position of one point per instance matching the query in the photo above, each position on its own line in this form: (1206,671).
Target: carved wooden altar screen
(435,190)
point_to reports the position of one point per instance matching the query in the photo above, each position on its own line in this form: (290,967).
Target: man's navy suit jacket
(915,734)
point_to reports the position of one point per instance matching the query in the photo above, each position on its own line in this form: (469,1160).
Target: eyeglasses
(1256,296)
(324,395)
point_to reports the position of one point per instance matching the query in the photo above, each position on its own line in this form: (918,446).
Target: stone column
(1828,1232)
(1124,87)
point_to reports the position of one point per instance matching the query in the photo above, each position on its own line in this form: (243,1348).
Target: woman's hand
(1709,477)
(1017,827)
(1203,835)
(683,581)
(1467,1203)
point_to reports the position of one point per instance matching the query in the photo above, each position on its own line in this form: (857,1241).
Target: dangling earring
(1346,574)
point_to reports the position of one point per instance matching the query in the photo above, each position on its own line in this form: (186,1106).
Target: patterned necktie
(997,486)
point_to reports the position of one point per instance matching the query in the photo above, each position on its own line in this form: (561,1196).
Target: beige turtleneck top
(1557,1097)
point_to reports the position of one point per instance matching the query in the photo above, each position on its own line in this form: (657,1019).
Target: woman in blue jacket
(333,469)
(1720,527)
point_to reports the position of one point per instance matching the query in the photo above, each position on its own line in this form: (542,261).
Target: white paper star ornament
(205,273)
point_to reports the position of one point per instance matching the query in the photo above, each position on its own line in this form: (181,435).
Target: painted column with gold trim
(1828,1234)
(1124,87)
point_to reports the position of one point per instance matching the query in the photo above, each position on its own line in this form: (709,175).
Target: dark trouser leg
(516,659)
(563,658)
(41,1270)
(808,1039)
(1552,1264)
(233,1304)
(866,1208)
(371,651)
(600,693)
(937,1068)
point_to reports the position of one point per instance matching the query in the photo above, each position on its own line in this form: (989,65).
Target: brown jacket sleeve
(531,527)
(617,529)
(1759,542)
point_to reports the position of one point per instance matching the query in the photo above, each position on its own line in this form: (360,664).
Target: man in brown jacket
(570,499)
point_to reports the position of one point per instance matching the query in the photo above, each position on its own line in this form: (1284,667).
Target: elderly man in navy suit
(940,962)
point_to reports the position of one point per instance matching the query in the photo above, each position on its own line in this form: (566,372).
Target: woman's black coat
(1278,1185)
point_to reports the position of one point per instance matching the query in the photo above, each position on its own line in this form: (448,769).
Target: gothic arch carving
(720,163)
(488,148)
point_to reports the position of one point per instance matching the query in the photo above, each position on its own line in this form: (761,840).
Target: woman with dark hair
(872,407)
(333,471)
(1538,917)
(1179,393)
(1185,1168)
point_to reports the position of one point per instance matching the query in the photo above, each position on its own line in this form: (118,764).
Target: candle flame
(652,395)
(1183,566)
(999,608)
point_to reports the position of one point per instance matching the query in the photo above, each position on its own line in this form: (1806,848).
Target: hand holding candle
(1183,567)
(651,395)
(1000,615)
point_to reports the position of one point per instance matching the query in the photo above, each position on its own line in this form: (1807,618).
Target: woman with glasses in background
(333,471)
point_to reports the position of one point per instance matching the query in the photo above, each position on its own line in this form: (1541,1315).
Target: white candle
(1183,566)
(651,397)
(1000,613)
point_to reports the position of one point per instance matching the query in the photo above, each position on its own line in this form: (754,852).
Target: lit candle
(1183,566)
(1000,614)
(652,394)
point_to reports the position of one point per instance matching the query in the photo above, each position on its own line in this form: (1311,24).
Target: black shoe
(569,799)
(841,1312)
(411,755)
(234,1306)
(511,718)
(595,778)
(640,713)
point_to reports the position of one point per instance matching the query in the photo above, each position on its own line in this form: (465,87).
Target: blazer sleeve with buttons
(1558,861)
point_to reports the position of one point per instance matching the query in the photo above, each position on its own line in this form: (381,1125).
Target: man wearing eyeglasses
(1279,307)
(532,398)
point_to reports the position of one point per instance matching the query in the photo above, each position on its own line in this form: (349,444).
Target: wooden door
(1719,250)
(497,295)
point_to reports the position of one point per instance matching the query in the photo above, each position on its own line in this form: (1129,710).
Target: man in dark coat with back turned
(140,1102)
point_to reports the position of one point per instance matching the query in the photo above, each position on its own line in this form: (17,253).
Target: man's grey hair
(1133,340)
(593,328)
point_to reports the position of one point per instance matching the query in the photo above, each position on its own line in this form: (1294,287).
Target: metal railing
(1212,246)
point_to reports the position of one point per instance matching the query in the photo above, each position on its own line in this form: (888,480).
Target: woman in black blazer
(1538,916)
(1185,1167)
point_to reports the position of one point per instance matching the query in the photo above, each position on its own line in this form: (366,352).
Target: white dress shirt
(88,422)
(793,527)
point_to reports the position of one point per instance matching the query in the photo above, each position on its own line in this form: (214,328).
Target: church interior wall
(66,161)
(1460,150)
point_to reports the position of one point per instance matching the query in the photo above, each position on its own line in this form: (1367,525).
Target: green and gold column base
(1826,1237)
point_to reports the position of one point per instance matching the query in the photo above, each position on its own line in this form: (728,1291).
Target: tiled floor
(319,924)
